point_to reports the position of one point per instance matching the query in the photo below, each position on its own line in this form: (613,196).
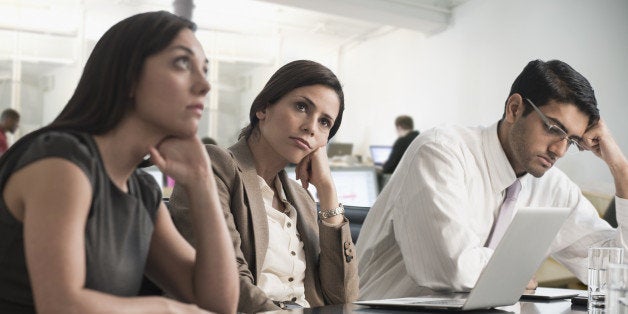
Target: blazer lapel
(243,156)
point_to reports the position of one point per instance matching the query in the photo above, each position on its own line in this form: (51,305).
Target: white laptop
(502,282)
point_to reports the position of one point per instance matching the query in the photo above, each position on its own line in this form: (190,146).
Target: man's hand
(532,284)
(599,140)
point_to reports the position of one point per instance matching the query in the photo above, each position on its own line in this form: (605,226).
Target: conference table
(528,307)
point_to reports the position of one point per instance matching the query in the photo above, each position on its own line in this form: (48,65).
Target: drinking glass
(599,260)
(617,295)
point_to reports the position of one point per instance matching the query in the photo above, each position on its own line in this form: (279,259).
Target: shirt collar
(268,193)
(500,171)
(280,191)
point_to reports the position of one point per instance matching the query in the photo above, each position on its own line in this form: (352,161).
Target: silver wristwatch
(324,214)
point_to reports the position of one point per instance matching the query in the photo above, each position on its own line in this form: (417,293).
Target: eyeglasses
(556,131)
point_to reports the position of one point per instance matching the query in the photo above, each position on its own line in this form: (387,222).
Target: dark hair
(9,114)
(291,76)
(404,122)
(555,80)
(104,92)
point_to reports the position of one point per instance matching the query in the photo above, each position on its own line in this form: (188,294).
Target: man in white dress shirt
(431,226)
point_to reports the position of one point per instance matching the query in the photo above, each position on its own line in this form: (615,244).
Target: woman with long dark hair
(80,224)
(287,254)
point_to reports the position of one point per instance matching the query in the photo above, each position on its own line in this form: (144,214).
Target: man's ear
(514,107)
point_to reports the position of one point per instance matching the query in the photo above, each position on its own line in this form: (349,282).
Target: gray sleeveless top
(118,229)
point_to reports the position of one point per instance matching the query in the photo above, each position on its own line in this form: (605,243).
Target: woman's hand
(183,159)
(314,168)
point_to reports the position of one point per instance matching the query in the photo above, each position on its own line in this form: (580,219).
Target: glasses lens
(574,147)
(557,132)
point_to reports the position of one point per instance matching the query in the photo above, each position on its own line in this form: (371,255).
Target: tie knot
(513,190)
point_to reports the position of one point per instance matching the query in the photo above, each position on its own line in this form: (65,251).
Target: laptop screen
(380,154)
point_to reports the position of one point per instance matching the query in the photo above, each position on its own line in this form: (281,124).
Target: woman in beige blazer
(287,254)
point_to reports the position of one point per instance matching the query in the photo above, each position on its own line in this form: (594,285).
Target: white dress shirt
(429,226)
(283,271)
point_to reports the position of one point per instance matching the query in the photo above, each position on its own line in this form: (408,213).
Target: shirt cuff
(339,226)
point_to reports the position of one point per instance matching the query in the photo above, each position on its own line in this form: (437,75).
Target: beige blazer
(331,275)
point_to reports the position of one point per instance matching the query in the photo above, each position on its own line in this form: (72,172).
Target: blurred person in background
(406,133)
(9,121)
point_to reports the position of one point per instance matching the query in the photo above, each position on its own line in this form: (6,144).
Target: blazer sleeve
(338,271)
(332,258)
(252,299)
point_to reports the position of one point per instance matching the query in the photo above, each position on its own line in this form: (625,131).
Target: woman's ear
(261,114)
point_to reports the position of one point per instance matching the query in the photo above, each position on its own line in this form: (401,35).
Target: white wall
(463,74)
(65,80)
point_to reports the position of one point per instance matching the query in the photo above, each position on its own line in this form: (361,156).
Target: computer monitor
(380,154)
(339,149)
(356,186)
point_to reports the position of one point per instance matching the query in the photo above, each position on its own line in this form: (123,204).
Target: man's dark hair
(542,82)
(10,114)
(404,122)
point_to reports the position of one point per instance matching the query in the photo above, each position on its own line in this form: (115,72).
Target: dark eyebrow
(562,126)
(187,50)
(311,103)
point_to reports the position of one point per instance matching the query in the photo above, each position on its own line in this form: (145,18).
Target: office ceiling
(242,32)
(426,16)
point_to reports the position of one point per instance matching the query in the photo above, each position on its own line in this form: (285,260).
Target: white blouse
(283,273)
